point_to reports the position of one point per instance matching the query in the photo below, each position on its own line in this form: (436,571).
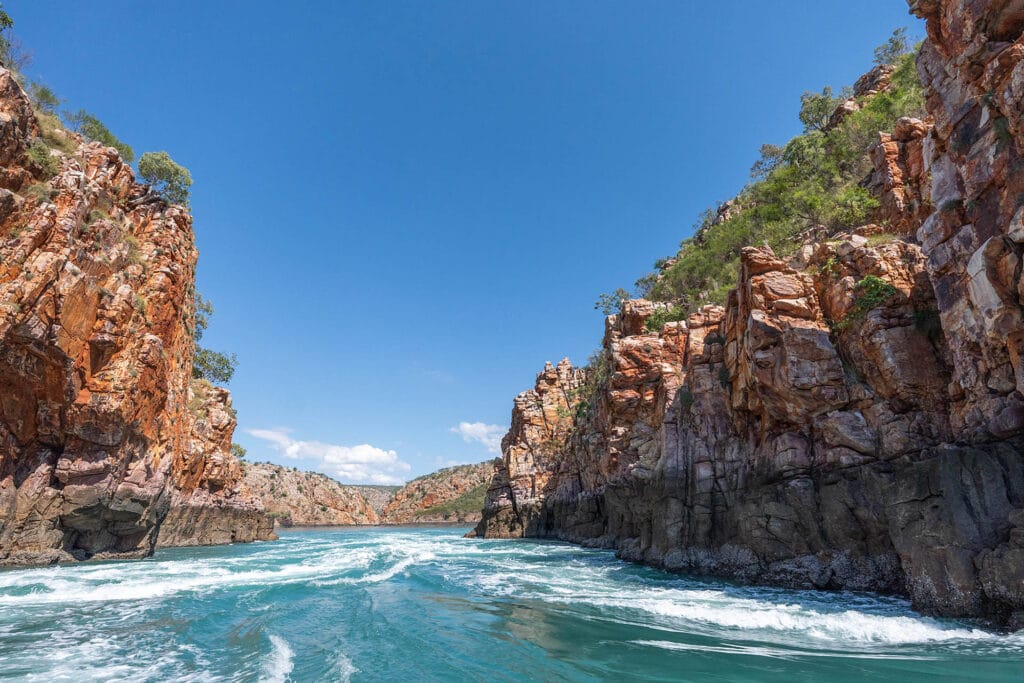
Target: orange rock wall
(96,292)
(810,433)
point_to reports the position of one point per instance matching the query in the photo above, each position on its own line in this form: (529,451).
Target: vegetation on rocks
(208,364)
(470,501)
(169,179)
(872,291)
(811,182)
(90,127)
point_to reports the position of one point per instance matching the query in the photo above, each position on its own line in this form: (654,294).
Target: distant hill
(454,494)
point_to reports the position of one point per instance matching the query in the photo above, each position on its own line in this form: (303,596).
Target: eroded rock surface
(852,418)
(96,313)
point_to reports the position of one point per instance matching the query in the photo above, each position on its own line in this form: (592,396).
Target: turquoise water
(426,605)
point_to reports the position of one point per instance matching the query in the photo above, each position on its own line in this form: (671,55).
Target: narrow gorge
(853,416)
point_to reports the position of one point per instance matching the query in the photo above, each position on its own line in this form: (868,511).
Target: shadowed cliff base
(107,445)
(851,417)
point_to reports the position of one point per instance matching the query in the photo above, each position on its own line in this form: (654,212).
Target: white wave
(748,613)
(344,667)
(154,580)
(379,577)
(775,653)
(91,660)
(279,663)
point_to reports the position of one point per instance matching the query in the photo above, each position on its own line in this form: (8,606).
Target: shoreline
(321,527)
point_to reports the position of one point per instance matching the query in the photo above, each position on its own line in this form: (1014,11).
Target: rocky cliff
(97,442)
(454,494)
(213,501)
(853,416)
(307,498)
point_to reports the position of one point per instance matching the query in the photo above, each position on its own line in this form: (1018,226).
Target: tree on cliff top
(170,180)
(816,109)
(892,49)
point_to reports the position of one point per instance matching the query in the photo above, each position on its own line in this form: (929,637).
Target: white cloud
(362,464)
(488,435)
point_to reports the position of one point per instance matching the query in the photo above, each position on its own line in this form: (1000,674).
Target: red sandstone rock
(802,437)
(96,296)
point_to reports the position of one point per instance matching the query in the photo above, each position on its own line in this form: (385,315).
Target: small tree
(170,180)
(208,364)
(13,54)
(771,157)
(238,450)
(891,50)
(609,303)
(204,311)
(44,98)
(817,108)
(93,129)
(214,366)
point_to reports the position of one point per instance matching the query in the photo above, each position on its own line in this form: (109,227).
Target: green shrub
(40,154)
(891,50)
(134,251)
(872,292)
(611,303)
(41,192)
(813,180)
(168,179)
(53,133)
(881,238)
(656,321)
(685,397)
(93,129)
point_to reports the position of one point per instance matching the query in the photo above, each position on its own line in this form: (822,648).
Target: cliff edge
(97,440)
(852,417)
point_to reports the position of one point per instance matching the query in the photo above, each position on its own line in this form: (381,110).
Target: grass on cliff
(814,180)
(470,501)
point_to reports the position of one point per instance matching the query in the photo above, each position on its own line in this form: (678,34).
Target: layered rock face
(454,494)
(852,418)
(533,452)
(96,296)
(307,498)
(213,501)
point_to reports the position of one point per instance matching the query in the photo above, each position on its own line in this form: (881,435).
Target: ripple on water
(429,604)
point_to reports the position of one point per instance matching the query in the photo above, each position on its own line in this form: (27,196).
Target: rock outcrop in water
(101,431)
(851,418)
(453,494)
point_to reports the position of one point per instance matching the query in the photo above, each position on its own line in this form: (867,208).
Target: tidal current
(424,604)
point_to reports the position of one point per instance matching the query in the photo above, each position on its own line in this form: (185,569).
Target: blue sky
(404,208)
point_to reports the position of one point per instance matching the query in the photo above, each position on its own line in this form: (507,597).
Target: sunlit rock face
(806,433)
(97,441)
(447,495)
